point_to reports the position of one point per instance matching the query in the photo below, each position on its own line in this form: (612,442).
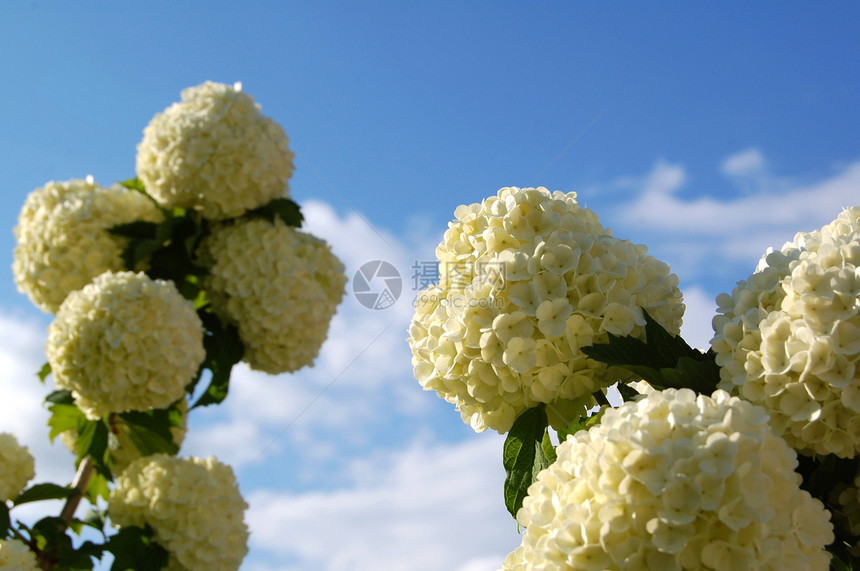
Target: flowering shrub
(16,556)
(788,338)
(193,505)
(673,481)
(214,152)
(158,283)
(125,342)
(63,240)
(280,286)
(17,467)
(528,278)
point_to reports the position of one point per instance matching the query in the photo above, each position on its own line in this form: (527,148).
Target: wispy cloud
(428,507)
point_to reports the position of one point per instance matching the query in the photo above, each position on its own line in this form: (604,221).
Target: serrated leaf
(135,549)
(150,431)
(137,230)
(5,520)
(547,447)
(134,184)
(61,396)
(288,211)
(523,456)
(93,442)
(663,360)
(98,489)
(65,417)
(44,372)
(627,392)
(40,492)
(224,349)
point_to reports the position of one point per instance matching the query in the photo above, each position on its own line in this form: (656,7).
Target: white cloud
(428,507)
(747,163)
(701,235)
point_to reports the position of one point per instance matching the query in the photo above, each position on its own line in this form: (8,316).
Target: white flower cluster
(673,481)
(278,285)
(16,556)
(17,467)
(788,338)
(214,152)
(62,238)
(193,505)
(528,278)
(125,342)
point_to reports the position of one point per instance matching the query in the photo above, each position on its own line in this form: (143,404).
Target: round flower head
(63,240)
(528,278)
(125,342)
(214,152)
(17,467)
(123,450)
(788,338)
(193,505)
(674,481)
(278,285)
(16,556)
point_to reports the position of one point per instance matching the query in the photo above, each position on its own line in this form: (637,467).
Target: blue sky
(708,132)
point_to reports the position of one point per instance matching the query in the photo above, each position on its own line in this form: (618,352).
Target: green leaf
(98,489)
(65,417)
(150,431)
(40,492)
(137,230)
(547,447)
(627,392)
(224,349)
(44,372)
(134,184)
(523,456)
(93,442)
(60,397)
(135,549)
(663,360)
(5,521)
(288,211)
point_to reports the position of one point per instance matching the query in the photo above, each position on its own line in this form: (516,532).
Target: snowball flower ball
(17,467)
(63,240)
(788,338)
(125,342)
(278,285)
(16,556)
(674,481)
(528,278)
(214,152)
(193,505)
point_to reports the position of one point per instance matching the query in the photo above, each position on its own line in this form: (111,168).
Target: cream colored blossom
(528,278)
(673,481)
(278,285)
(788,338)
(214,152)
(122,449)
(17,467)
(193,505)
(16,556)
(125,342)
(63,240)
